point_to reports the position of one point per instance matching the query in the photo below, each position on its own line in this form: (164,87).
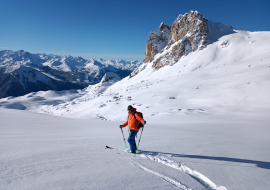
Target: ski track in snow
(165,178)
(206,182)
(173,164)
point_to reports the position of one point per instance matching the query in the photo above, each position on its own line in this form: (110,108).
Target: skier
(133,121)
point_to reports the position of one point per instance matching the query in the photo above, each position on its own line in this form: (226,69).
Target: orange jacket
(132,122)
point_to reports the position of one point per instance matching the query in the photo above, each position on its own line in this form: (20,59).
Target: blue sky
(110,28)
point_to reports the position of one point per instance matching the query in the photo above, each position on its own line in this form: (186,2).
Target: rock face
(166,46)
(157,40)
(192,25)
(188,33)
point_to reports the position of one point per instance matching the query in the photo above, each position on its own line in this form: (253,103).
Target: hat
(129,108)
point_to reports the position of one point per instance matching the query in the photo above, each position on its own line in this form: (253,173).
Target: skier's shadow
(260,164)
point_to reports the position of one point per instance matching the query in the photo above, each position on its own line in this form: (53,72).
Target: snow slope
(47,152)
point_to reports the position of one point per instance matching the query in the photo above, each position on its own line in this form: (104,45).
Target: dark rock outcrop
(166,46)
(188,33)
(157,40)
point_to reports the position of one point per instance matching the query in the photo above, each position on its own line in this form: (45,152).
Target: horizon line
(132,57)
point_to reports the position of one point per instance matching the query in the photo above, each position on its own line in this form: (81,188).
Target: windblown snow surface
(207,126)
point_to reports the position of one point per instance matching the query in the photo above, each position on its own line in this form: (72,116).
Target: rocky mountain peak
(163,26)
(193,25)
(187,34)
(157,40)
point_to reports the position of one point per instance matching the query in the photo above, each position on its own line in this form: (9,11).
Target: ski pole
(124,137)
(138,143)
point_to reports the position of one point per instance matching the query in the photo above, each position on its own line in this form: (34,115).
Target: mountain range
(23,72)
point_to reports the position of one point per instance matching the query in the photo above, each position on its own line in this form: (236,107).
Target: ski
(128,152)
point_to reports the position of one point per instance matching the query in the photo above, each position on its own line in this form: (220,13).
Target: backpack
(140,114)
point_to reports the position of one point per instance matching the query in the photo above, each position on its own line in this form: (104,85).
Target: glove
(144,122)
(120,126)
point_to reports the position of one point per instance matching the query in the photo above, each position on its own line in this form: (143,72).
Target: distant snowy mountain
(58,73)
(12,60)
(27,79)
